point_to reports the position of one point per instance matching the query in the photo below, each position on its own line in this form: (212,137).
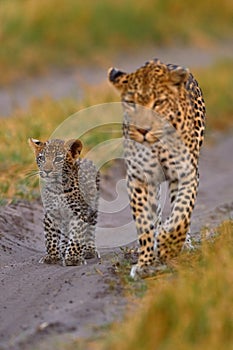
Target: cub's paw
(91,253)
(49,259)
(73,261)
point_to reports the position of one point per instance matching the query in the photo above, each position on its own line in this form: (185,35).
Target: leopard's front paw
(188,246)
(49,259)
(143,271)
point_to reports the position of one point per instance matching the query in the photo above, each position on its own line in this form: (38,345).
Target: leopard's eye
(129,105)
(58,159)
(129,96)
(128,100)
(158,102)
(40,158)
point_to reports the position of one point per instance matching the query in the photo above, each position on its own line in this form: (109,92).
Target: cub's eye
(58,159)
(40,158)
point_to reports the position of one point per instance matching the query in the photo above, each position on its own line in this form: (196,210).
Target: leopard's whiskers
(31,173)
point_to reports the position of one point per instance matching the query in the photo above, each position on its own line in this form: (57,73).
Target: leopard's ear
(117,78)
(75,147)
(178,75)
(36,145)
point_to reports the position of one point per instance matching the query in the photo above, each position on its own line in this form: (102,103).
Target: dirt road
(42,303)
(68,83)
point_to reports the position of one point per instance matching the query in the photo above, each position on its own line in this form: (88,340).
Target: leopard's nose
(143,131)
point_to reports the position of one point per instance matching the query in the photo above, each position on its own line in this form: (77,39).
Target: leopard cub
(70,194)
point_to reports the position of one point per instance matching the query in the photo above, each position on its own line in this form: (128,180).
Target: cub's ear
(117,77)
(36,145)
(75,147)
(179,75)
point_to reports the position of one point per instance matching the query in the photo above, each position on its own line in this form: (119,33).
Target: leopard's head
(155,85)
(54,156)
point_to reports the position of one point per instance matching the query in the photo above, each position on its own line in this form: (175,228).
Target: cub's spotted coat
(70,192)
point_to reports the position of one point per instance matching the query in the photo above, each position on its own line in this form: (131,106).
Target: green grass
(217,86)
(38,35)
(189,309)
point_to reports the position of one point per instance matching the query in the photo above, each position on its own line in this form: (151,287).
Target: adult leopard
(70,192)
(163,128)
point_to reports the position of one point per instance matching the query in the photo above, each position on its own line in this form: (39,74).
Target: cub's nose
(46,173)
(114,73)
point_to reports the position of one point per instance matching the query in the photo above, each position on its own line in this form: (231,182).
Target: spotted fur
(70,192)
(163,127)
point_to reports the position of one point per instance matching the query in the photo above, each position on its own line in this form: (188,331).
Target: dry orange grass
(189,309)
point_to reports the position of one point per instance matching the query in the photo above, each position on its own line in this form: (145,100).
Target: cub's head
(54,156)
(154,85)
